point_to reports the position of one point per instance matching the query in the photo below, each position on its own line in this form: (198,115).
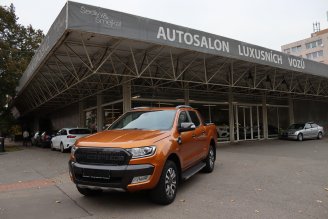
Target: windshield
(147,120)
(297,126)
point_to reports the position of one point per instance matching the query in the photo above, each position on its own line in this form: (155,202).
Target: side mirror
(186,126)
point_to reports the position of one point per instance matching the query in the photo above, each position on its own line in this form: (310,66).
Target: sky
(267,23)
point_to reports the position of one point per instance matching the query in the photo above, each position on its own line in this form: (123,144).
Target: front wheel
(210,160)
(300,137)
(89,192)
(52,146)
(165,191)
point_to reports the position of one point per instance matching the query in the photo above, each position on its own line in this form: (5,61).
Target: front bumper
(293,137)
(118,176)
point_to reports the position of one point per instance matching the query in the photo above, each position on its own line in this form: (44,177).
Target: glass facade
(217,114)
(278,120)
(248,118)
(91,119)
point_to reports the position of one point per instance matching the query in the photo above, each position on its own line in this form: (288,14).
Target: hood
(123,138)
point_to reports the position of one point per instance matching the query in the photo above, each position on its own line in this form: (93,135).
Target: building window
(296,49)
(287,51)
(314,44)
(314,55)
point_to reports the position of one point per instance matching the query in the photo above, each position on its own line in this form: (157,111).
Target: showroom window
(91,120)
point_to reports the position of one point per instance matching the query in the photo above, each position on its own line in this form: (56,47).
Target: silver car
(300,131)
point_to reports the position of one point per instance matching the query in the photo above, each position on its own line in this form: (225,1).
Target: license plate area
(96,174)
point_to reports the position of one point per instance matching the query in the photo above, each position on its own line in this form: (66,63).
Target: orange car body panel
(194,147)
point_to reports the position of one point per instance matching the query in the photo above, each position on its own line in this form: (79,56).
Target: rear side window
(63,132)
(314,125)
(194,118)
(79,131)
(307,126)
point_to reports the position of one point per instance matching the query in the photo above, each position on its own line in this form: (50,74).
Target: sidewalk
(10,143)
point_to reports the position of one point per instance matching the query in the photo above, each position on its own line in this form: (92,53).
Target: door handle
(203,132)
(193,135)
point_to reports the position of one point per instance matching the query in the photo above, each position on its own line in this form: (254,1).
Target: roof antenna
(316,27)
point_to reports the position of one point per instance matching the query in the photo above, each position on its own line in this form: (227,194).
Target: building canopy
(89,50)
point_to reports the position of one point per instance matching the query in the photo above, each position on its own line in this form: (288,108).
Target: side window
(194,118)
(307,126)
(63,132)
(314,125)
(183,117)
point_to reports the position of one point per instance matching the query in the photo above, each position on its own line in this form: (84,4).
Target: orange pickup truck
(145,149)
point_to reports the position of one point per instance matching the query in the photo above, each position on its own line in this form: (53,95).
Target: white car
(66,137)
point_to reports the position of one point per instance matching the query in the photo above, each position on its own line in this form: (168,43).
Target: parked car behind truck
(145,149)
(300,131)
(66,137)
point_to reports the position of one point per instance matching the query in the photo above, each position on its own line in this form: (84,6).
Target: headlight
(73,149)
(142,151)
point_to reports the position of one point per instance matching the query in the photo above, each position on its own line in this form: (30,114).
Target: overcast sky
(267,23)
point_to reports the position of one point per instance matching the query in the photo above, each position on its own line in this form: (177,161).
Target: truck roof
(146,108)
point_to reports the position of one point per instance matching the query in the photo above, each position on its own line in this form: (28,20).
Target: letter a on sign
(161,33)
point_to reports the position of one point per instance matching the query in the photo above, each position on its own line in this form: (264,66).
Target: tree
(17,46)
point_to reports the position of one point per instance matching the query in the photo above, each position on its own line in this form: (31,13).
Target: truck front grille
(102,156)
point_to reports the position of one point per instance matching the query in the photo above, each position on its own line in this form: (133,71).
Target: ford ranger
(145,149)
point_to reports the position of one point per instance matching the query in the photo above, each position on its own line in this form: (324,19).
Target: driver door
(307,130)
(186,146)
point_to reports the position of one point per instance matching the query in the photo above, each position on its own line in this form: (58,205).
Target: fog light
(139,179)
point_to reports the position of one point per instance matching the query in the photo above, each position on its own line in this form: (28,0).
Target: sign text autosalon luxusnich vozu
(216,44)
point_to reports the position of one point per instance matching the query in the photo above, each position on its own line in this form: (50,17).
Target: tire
(300,137)
(52,146)
(320,135)
(165,191)
(89,192)
(62,147)
(210,160)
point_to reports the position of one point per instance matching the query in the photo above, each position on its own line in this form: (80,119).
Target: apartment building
(314,48)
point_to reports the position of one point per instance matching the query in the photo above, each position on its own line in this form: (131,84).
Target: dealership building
(95,64)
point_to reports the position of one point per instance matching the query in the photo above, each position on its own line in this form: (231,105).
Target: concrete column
(231,117)
(265,117)
(186,96)
(81,114)
(291,109)
(100,113)
(36,123)
(126,96)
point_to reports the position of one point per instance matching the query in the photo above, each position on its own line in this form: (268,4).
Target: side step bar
(193,170)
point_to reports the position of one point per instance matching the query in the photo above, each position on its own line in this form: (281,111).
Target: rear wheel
(319,135)
(210,160)
(300,137)
(62,147)
(165,191)
(89,192)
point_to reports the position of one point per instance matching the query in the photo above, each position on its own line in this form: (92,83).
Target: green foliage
(17,46)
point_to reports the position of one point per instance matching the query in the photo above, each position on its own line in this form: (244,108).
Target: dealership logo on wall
(102,18)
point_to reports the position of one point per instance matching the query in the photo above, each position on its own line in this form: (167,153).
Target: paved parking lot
(255,179)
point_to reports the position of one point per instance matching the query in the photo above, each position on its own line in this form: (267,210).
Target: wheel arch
(175,158)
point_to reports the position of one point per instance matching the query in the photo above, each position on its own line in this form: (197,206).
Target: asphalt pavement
(253,179)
